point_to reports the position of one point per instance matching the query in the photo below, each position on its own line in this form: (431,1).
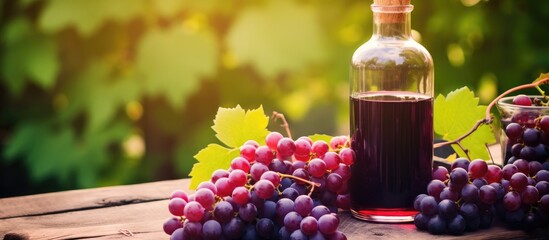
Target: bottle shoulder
(392,52)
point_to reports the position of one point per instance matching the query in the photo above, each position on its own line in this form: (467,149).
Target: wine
(392,135)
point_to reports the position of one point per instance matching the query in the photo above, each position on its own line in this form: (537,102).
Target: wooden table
(138,212)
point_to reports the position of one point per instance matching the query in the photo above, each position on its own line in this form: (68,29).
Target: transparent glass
(391,106)
(525,116)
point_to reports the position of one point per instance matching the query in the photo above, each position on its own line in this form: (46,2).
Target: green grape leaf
(27,55)
(277,37)
(171,62)
(455,115)
(87,16)
(211,158)
(323,137)
(542,76)
(234,126)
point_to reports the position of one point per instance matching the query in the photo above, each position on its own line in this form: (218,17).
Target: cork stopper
(392,2)
(391,11)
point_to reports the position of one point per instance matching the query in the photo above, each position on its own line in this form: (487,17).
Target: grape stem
(488,117)
(276,116)
(313,184)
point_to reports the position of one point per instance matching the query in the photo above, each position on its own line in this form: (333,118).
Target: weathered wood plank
(88,198)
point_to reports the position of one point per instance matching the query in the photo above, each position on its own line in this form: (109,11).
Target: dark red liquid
(392,135)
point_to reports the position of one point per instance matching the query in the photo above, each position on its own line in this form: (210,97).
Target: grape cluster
(527,134)
(284,190)
(473,193)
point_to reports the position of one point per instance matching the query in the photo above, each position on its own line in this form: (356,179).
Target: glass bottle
(391,118)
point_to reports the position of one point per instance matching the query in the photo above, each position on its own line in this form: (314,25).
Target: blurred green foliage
(105,92)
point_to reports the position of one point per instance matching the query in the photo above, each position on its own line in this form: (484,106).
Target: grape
(435,187)
(440,173)
(171,224)
(252,143)
(250,233)
(264,189)
(241,195)
(303,205)
(309,225)
(292,221)
(421,221)
(176,206)
(469,193)
(264,155)
(485,220)
(179,194)
(428,206)
(208,185)
(319,211)
(459,176)
(544,203)
(300,173)
(477,168)
(436,225)
(460,163)
(447,193)
(248,152)
(319,148)
(272,177)
(472,224)
(192,229)
(280,166)
(284,234)
(334,182)
(328,224)
(417,201)
(343,201)
(338,142)
(456,225)
(487,194)
(331,160)
(543,124)
(257,170)
(290,193)
(494,174)
(511,201)
(211,230)
(529,195)
(469,211)
(344,171)
(205,197)
(268,210)
(522,100)
(447,209)
(513,131)
(541,152)
(283,207)
(518,181)
(298,235)
(337,236)
(479,182)
(347,156)
(233,229)
(542,187)
(531,137)
(265,228)
(508,171)
(223,211)
(220,173)
(522,166)
(317,167)
(514,218)
(194,211)
(516,148)
(542,175)
(285,148)
(534,167)
(177,234)
(272,140)
(241,164)
(247,212)
(224,187)
(527,153)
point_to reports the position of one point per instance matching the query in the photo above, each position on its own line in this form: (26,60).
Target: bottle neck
(392,22)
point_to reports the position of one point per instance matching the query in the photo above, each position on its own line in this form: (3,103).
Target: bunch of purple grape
(527,133)
(285,190)
(472,193)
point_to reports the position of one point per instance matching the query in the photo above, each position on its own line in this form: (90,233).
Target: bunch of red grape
(527,133)
(472,193)
(285,190)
